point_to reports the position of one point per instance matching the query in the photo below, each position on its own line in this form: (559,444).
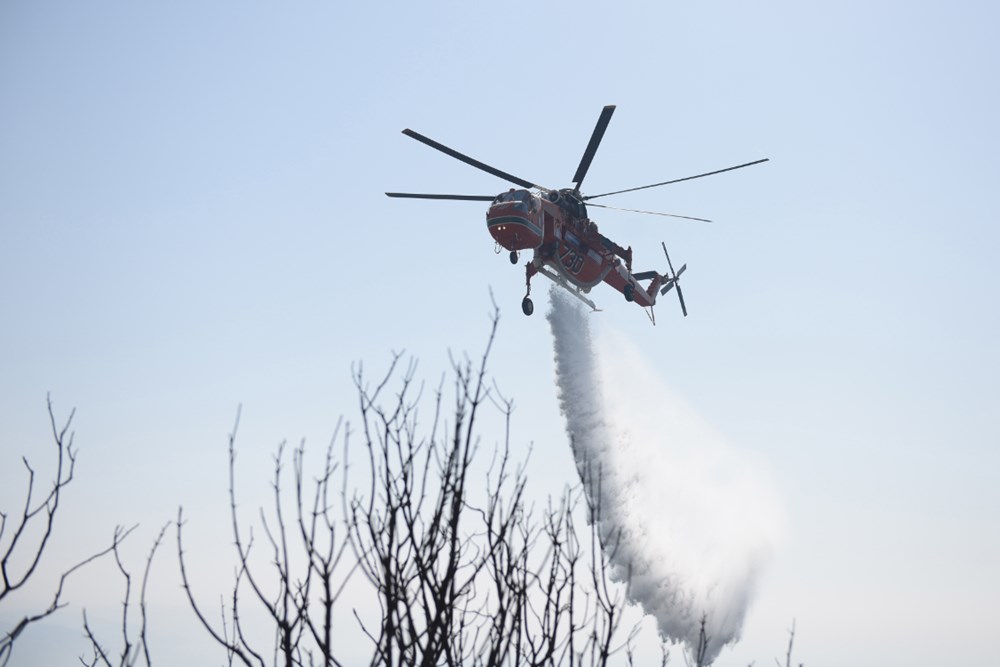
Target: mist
(687,520)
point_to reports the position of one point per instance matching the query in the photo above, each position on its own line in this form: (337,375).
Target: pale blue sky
(192,217)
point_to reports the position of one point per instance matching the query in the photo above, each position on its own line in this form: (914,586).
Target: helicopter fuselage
(556,228)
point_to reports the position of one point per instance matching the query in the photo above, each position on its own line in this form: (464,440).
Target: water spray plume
(688,521)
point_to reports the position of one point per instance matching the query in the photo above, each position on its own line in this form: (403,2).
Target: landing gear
(527,307)
(513,257)
(630,292)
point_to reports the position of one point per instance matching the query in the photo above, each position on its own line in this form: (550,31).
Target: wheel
(630,292)
(513,257)
(527,306)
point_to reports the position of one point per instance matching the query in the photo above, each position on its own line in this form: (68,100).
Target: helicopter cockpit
(522,199)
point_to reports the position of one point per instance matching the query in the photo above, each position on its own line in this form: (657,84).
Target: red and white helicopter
(567,246)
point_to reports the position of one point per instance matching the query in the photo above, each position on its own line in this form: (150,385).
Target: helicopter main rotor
(471,161)
(676,180)
(591,150)
(581,171)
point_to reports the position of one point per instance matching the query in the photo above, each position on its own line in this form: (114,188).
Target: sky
(192,219)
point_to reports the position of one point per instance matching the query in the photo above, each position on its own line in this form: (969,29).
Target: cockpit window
(522,197)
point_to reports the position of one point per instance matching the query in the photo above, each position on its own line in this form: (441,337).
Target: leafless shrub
(698,654)
(465,573)
(24,538)
(134,647)
(292,609)
(788,654)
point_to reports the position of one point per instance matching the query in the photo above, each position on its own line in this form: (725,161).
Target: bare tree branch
(41,513)
(462,571)
(133,649)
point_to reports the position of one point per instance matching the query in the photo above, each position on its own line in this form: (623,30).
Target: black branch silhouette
(464,571)
(135,646)
(24,536)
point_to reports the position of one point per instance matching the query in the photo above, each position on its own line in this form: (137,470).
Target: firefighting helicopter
(567,246)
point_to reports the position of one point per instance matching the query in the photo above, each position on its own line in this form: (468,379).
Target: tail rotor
(674,280)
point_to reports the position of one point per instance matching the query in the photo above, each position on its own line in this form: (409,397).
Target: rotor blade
(419,195)
(678,180)
(635,210)
(680,295)
(679,273)
(666,288)
(468,160)
(595,141)
(672,272)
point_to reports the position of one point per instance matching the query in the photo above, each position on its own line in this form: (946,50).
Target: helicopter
(566,245)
